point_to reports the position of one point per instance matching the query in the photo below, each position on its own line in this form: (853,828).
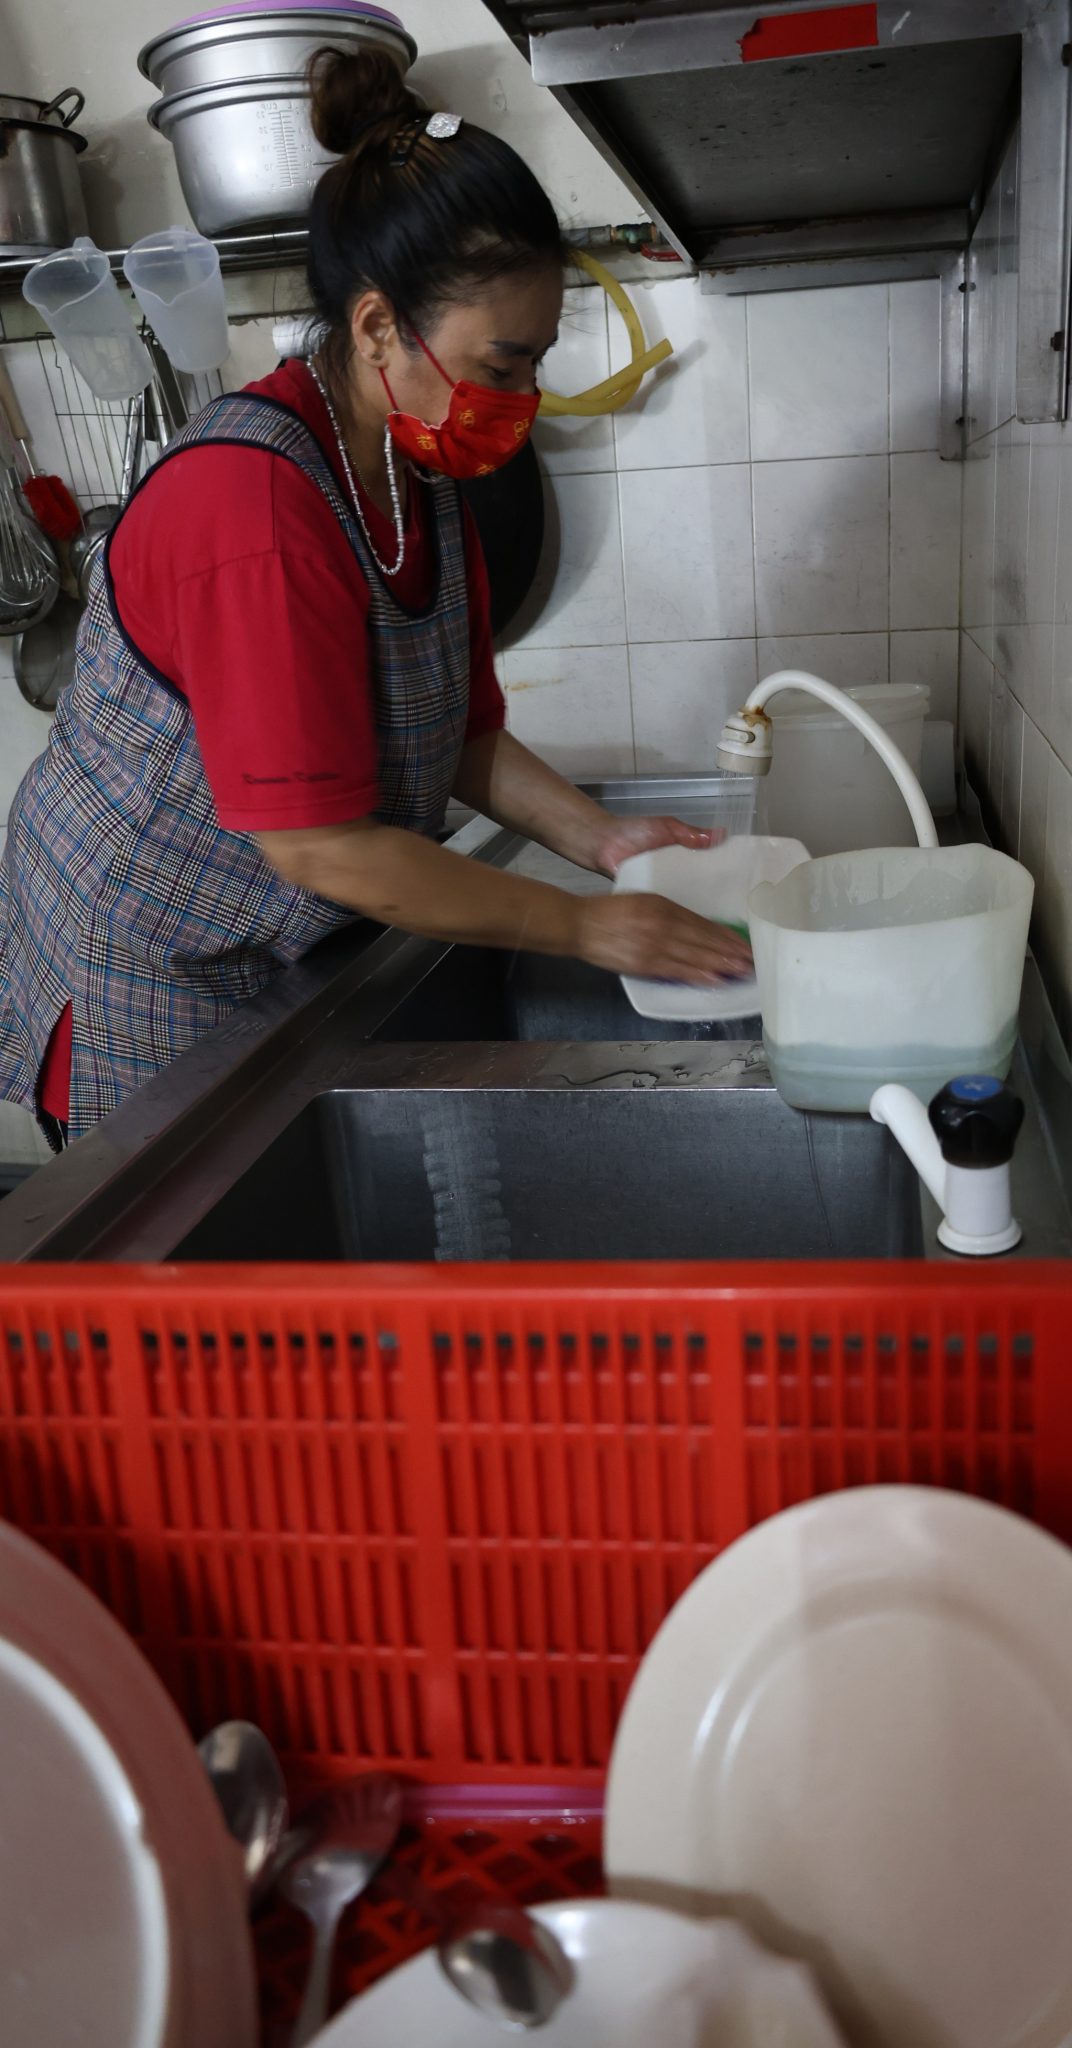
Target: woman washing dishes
(285,671)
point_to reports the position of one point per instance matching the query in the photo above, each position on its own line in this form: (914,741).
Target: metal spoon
(505,1962)
(246,1777)
(331,1856)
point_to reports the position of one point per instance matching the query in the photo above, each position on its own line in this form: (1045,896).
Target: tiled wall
(775,498)
(1016,644)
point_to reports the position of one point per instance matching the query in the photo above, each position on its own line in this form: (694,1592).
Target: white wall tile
(682,693)
(924,541)
(976,693)
(819,372)
(571,706)
(1012,497)
(1033,801)
(693,408)
(578,599)
(23,731)
(840,658)
(1057,722)
(915,361)
(22,1142)
(822,545)
(931,659)
(1054,919)
(687,537)
(1032,671)
(580,358)
(977,556)
(1009,801)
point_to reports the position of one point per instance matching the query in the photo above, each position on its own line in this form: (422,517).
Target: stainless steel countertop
(135,1186)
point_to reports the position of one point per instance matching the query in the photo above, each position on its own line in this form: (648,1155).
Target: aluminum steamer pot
(41,204)
(245,153)
(267,42)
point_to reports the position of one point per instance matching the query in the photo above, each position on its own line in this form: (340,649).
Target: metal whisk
(29,572)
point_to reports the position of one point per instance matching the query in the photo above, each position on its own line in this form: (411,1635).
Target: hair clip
(405,142)
(442,126)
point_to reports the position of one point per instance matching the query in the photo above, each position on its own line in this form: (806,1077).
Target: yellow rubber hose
(616,390)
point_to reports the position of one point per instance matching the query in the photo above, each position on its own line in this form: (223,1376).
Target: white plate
(643,1979)
(122,1906)
(858,1724)
(716,882)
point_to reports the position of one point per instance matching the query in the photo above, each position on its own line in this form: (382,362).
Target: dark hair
(428,223)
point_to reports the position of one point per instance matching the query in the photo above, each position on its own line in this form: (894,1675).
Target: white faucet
(961,1147)
(745,747)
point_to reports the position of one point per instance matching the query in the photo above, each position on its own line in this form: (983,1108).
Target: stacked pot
(40,197)
(235,103)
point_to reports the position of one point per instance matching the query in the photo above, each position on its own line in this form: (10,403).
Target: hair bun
(359,99)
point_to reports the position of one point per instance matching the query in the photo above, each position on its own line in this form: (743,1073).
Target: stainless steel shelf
(272,250)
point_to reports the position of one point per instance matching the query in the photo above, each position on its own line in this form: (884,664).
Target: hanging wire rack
(93,430)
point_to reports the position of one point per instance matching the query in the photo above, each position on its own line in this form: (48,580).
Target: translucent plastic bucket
(889,965)
(827,786)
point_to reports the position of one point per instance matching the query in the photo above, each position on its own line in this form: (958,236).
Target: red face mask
(482,430)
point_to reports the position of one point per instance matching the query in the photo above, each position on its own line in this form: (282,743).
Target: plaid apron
(119,891)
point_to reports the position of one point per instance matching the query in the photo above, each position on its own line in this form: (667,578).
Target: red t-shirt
(235,580)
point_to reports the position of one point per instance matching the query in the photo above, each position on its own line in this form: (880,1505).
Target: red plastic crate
(428,1519)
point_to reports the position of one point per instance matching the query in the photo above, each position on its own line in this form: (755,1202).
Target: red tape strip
(807,35)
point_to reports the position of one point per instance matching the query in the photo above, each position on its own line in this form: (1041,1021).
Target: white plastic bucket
(827,786)
(889,965)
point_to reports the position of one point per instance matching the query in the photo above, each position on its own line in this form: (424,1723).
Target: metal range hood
(802,143)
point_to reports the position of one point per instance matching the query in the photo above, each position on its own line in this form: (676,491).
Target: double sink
(391,1098)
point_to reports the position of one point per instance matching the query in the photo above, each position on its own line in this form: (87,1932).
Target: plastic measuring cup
(75,291)
(175,277)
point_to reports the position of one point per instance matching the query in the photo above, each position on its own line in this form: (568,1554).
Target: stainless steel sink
(471,994)
(554,1172)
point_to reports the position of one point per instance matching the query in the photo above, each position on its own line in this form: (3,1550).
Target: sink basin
(472,994)
(621,1172)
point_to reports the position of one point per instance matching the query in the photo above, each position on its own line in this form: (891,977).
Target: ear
(373,327)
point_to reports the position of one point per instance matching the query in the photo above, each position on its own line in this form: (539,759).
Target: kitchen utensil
(640,1976)
(29,572)
(41,204)
(47,496)
(714,881)
(341,1842)
(88,545)
(501,1959)
(826,785)
(175,277)
(125,1914)
(857,1723)
(246,1776)
(267,42)
(44,652)
(236,107)
(889,965)
(75,292)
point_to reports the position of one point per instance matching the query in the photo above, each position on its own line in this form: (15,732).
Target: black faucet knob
(976,1120)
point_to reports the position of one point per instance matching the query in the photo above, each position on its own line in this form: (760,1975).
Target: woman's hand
(659,941)
(625,836)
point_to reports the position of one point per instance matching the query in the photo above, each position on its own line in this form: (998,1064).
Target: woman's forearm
(398,878)
(501,779)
